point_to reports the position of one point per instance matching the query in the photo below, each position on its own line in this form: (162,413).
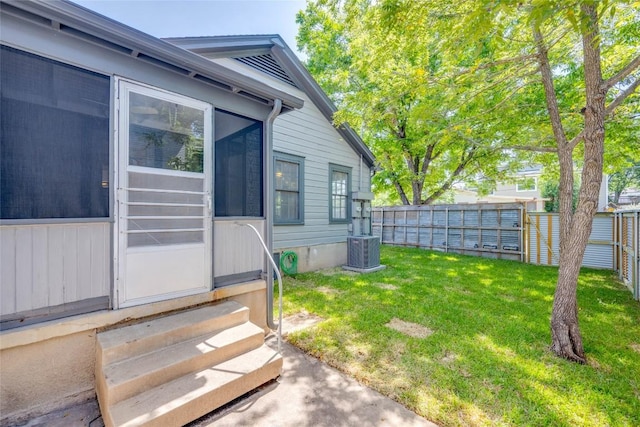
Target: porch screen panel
(239,159)
(54,155)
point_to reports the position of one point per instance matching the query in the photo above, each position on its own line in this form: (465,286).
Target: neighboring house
(524,188)
(629,196)
(319,170)
(129,167)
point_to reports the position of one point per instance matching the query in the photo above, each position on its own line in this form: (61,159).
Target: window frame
(524,180)
(258,124)
(289,158)
(343,169)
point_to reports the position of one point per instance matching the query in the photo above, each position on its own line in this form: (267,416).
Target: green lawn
(485,359)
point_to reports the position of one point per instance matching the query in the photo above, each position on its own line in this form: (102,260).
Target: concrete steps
(172,370)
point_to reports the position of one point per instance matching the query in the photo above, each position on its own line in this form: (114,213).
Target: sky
(175,18)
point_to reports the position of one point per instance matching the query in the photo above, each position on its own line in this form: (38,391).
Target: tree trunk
(575,229)
(416,187)
(616,196)
(566,340)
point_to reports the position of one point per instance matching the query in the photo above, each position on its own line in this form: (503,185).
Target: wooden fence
(486,230)
(508,231)
(627,249)
(543,240)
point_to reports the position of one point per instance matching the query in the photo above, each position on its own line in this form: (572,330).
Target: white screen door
(163,196)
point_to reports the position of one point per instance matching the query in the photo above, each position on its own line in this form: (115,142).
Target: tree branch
(623,95)
(495,83)
(510,95)
(502,61)
(428,157)
(397,185)
(608,110)
(616,78)
(576,140)
(549,90)
(464,161)
(536,149)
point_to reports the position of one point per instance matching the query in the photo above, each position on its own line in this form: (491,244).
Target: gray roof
(271,55)
(94,28)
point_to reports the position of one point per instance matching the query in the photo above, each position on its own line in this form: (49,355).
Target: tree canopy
(395,85)
(445,92)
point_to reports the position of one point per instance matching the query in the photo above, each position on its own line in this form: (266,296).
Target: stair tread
(159,326)
(162,400)
(156,360)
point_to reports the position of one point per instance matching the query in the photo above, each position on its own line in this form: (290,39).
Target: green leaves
(444,91)
(394,82)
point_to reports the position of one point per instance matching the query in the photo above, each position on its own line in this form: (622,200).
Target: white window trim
(344,169)
(290,158)
(535,185)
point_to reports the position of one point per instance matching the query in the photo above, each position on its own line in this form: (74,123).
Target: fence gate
(543,242)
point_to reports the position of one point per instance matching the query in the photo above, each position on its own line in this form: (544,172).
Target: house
(130,167)
(524,188)
(322,173)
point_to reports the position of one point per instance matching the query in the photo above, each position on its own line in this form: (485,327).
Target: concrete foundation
(318,257)
(48,366)
(46,375)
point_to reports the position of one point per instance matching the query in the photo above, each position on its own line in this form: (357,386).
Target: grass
(486,359)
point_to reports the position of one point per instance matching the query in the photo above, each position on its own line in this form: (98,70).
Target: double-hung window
(289,189)
(339,193)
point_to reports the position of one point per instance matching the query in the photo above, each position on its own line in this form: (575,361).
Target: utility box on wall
(361,213)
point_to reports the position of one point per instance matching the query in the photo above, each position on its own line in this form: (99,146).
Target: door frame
(121,160)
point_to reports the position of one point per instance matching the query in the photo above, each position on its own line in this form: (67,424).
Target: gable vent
(268,65)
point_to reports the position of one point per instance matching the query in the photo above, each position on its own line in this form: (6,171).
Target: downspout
(360,183)
(269,207)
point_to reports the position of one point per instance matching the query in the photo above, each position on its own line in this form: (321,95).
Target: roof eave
(231,46)
(322,101)
(64,15)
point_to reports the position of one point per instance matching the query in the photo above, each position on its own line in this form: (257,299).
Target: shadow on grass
(488,360)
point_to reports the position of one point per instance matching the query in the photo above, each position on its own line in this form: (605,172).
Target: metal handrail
(277,271)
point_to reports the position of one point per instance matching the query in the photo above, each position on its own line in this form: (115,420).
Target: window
(165,134)
(54,155)
(339,188)
(289,189)
(238,166)
(527,184)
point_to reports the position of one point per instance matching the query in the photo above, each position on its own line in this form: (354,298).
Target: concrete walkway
(311,393)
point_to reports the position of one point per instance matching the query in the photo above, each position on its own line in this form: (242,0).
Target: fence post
(522,236)
(614,227)
(446,229)
(636,255)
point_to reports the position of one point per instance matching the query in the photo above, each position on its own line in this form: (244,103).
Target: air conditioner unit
(363,251)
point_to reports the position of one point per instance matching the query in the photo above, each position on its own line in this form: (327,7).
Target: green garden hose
(289,262)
